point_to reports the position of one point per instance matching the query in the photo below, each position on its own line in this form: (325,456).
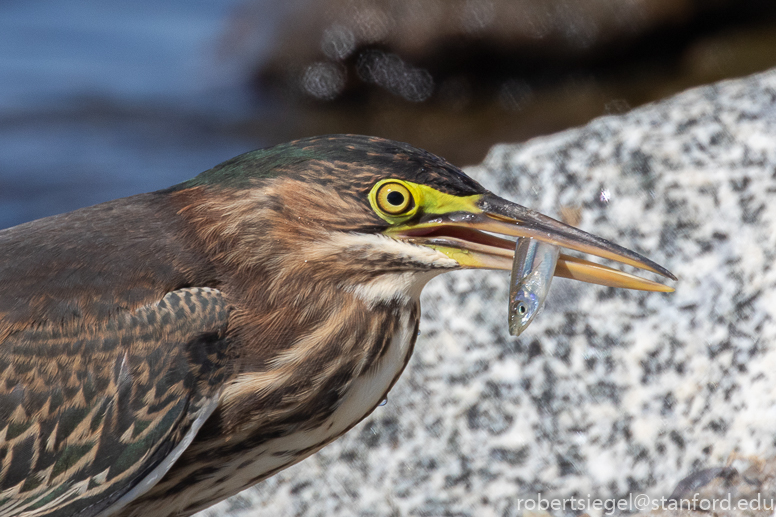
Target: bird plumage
(161,352)
(89,413)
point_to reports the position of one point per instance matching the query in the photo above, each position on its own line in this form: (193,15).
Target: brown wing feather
(81,268)
(85,415)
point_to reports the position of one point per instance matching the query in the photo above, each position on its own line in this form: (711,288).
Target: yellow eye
(394,198)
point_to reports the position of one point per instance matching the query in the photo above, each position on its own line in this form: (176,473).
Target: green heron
(164,351)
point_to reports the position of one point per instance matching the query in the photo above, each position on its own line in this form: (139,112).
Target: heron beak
(474,238)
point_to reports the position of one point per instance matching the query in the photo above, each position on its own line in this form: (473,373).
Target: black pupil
(521,309)
(395,198)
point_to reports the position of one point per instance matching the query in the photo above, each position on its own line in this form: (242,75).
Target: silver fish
(532,272)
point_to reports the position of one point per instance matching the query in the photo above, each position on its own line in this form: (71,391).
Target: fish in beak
(532,272)
(479,233)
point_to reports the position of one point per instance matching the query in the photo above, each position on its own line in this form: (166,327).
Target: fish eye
(522,309)
(394,198)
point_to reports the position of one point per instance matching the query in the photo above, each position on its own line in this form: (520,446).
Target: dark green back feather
(241,170)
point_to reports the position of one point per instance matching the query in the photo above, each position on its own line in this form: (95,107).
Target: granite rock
(609,392)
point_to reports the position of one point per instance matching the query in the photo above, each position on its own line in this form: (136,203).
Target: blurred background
(100,100)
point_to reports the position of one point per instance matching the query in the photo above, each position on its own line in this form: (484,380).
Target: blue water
(100,100)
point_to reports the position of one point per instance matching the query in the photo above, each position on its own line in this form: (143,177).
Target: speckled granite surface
(608,392)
